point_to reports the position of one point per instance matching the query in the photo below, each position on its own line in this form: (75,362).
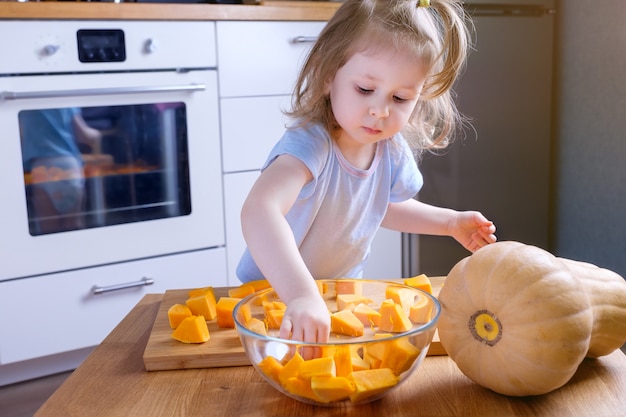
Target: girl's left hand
(472,230)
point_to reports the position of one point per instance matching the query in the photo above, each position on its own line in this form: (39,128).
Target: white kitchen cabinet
(250,128)
(236,188)
(57,313)
(262,58)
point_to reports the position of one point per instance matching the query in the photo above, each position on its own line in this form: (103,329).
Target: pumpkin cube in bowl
(328,373)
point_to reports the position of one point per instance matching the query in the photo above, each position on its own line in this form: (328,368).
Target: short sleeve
(406,178)
(310,145)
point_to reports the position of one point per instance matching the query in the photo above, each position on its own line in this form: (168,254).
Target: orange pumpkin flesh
(341,373)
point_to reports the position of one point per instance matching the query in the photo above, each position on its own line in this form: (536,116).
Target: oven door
(101,168)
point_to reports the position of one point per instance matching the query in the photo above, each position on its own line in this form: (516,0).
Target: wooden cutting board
(222,350)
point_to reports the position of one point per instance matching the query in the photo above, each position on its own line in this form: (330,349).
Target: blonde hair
(437,36)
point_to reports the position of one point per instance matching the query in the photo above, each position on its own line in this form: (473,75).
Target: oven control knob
(50,49)
(150,46)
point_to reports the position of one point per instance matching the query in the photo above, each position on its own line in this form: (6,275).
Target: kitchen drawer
(58,313)
(250,128)
(262,58)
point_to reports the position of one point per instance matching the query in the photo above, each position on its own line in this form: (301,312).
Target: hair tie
(423,3)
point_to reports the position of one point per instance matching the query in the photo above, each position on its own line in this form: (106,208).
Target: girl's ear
(327,87)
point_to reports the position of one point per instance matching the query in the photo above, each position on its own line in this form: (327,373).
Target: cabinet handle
(96,289)
(304,39)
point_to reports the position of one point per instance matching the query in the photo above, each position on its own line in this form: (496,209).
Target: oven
(110,145)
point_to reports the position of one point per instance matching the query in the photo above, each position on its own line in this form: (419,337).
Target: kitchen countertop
(267,10)
(113,382)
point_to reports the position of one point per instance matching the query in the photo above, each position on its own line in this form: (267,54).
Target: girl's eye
(363,90)
(399,99)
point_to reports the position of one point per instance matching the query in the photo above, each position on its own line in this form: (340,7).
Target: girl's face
(373,95)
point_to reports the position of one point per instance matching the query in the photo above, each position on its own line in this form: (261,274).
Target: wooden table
(113,382)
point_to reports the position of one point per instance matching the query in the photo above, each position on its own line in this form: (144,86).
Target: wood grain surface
(222,350)
(267,11)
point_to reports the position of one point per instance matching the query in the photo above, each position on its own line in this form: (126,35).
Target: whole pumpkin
(514,319)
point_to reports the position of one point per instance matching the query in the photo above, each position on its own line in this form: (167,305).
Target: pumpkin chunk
(344,300)
(393,318)
(327,290)
(271,367)
(274,318)
(203,305)
(300,387)
(399,355)
(200,291)
(177,313)
(257,326)
(259,284)
(273,305)
(403,296)
(248,288)
(421,282)
(374,353)
(224,311)
(358,363)
(367,315)
(193,329)
(371,382)
(346,323)
(349,287)
(343,360)
(419,312)
(329,389)
(290,369)
(324,366)
(274,313)
(241,291)
(245,314)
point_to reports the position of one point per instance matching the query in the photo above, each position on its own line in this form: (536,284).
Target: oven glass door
(112,172)
(99,166)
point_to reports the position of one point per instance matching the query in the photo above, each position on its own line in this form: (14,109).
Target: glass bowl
(359,364)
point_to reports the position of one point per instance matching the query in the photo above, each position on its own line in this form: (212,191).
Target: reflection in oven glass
(99,166)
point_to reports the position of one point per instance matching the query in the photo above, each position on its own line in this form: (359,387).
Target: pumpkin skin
(607,295)
(514,319)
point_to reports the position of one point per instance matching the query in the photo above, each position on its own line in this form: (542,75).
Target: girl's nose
(379,109)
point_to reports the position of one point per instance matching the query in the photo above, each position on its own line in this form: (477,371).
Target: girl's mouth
(371,131)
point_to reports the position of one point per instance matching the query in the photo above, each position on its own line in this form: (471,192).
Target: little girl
(376,84)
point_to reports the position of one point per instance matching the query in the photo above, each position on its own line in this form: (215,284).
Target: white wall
(590,211)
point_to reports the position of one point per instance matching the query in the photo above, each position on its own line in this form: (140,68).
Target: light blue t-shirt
(337,214)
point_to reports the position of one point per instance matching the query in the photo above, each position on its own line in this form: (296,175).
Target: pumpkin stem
(485,327)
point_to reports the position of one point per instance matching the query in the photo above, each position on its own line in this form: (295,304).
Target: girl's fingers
(286,329)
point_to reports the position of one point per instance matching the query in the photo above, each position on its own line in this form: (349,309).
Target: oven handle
(96,289)
(22,95)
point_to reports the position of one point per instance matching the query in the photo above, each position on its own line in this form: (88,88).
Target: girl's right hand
(307,319)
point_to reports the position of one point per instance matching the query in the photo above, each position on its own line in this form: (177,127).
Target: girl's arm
(470,228)
(272,245)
